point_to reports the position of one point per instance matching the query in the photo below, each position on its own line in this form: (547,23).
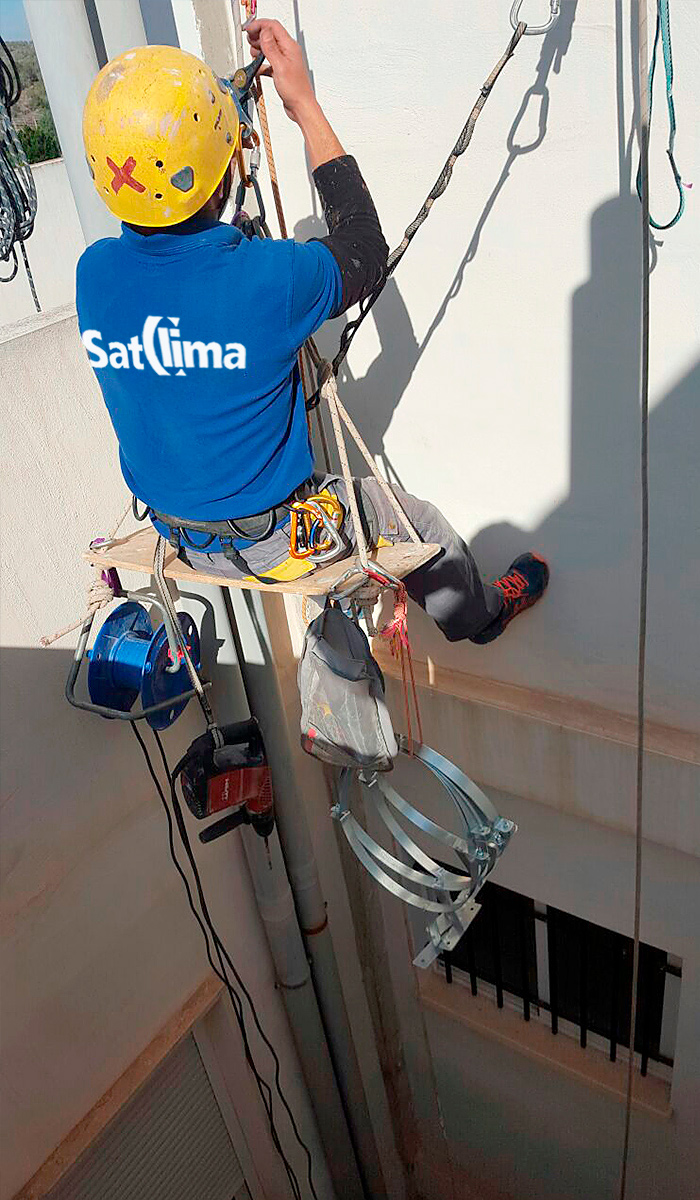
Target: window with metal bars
(570,972)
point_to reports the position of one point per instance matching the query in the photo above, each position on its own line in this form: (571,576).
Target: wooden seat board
(135,553)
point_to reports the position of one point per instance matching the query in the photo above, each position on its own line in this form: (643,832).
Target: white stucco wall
(53,249)
(97,944)
(499,376)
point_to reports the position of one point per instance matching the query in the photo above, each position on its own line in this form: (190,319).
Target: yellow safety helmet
(160,130)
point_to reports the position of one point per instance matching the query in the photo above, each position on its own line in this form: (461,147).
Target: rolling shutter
(169,1142)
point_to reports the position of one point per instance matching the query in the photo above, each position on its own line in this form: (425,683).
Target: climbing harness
(530,30)
(17,191)
(663,32)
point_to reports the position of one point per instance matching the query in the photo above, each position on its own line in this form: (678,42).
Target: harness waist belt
(255,528)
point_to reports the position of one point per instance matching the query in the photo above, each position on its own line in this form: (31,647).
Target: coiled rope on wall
(17,190)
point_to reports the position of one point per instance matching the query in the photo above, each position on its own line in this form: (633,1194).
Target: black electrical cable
(209,932)
(17,191)
(262,1085)
(221,949)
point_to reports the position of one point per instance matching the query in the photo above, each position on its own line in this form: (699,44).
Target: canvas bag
(344,718)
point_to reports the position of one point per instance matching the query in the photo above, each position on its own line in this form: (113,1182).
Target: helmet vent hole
(159,162)
(196,116)
(92,156)
(159,195)
(183,179)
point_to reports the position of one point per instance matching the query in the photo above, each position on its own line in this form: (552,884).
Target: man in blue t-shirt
(194,329)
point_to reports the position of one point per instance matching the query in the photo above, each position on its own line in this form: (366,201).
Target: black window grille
(588,969)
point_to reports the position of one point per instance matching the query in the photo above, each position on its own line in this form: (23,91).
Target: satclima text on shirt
(162,347)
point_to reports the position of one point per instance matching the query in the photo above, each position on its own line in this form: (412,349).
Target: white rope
(329,392)
(338,412)
(99,593)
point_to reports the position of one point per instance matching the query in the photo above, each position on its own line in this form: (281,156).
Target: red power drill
(233,776)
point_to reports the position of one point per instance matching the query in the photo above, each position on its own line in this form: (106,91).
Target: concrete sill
(35,322)
(535,1040)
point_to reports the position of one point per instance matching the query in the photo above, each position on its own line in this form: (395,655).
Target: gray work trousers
(449,588)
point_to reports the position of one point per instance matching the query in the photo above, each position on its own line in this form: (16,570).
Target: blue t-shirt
(194,338)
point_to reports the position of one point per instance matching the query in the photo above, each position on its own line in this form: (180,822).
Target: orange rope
(396,631)
(267,142)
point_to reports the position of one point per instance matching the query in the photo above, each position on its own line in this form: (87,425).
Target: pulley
(449,895)
(129,659)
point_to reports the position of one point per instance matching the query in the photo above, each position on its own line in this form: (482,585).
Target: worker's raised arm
(355,236)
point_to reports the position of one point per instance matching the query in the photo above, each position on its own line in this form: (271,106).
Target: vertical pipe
(121,24)
(275,908)
(248,627)
(233,10)
(187,26)
(447,960)
(66,53)
(276,904)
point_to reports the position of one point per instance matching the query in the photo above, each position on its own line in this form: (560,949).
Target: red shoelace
(513,586)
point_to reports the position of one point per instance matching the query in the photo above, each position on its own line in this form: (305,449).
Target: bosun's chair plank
(135,553)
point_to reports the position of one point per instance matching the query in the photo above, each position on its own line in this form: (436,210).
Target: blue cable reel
(131,661)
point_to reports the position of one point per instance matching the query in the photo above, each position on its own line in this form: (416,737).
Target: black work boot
(522,586)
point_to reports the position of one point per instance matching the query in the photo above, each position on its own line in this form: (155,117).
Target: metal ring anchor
(530,30)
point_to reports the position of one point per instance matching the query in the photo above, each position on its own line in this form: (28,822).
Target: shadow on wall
(374,398)
(592,538)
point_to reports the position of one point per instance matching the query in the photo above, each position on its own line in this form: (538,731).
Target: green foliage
(40,142)
(31,116)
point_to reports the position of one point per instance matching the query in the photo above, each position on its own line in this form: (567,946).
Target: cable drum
(448,896)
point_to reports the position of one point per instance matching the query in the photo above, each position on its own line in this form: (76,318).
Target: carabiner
(554,9)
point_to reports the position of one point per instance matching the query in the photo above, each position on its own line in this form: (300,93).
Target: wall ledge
(579,716)
(535,1041)
(36,321)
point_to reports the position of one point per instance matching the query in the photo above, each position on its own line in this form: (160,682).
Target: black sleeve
(355,237)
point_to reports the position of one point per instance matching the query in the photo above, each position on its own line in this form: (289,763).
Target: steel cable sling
(17,191)
(436,191)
